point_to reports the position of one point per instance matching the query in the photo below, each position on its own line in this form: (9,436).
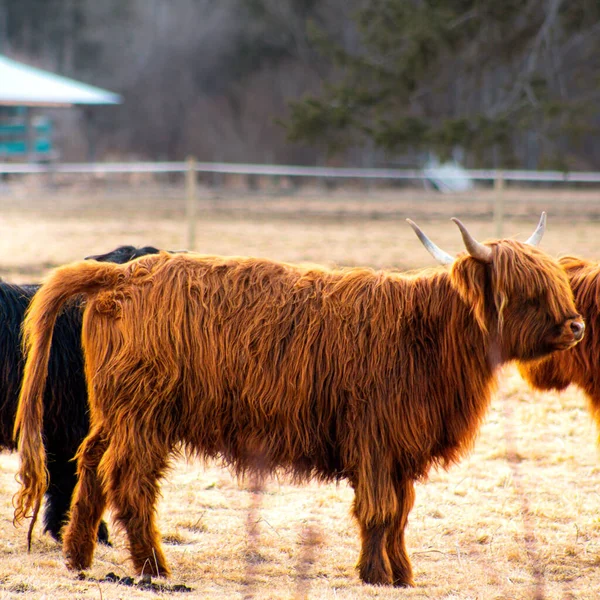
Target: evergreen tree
(483,75)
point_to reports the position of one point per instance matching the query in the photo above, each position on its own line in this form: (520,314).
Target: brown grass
(519,518)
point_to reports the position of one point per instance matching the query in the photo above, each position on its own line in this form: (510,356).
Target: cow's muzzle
(572,333)
(578,329)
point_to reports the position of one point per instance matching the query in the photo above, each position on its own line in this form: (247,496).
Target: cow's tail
(62,284)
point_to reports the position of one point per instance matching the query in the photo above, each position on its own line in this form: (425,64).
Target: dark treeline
(200,77)
(512,83)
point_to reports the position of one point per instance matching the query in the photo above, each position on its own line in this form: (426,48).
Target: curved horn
(536,236)
(474,248)
(442,257)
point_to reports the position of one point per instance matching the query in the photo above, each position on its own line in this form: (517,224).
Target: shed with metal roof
(23,87)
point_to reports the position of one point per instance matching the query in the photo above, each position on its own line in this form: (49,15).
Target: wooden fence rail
(191,168)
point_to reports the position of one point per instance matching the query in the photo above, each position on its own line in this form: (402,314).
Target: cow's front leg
(395,545)
(373,564)
(381,507)
(375,504)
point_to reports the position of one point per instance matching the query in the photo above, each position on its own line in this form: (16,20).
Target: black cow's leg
(103,533)
(62,472)
(61,482)
(396,547)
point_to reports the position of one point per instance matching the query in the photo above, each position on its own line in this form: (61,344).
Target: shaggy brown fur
(353,374)
(581,365)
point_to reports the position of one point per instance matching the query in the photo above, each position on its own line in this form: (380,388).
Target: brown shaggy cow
(581,365)
(355,374)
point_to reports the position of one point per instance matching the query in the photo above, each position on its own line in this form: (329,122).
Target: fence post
(190,202)
(499,203)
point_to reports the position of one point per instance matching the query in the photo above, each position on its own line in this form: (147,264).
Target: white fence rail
(191,168)
(295,171)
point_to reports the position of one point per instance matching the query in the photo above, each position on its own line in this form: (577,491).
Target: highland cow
(65,405)
(579,365)
(335,374)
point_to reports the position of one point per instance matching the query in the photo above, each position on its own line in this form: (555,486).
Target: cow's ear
(468,276)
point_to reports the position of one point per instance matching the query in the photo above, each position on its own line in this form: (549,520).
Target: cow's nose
(578,329)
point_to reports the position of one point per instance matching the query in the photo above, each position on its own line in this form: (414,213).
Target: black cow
(65,401)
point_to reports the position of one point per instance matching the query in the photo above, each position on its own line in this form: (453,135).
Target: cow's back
(267,364)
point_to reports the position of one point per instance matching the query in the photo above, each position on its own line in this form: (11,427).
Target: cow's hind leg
(396,547)
(131,477)
(88,502)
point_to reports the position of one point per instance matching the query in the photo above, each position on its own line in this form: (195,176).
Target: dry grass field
(518,518)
